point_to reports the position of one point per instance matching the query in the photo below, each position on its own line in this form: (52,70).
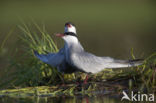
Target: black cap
(69,23)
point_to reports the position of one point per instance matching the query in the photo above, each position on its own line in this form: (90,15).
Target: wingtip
(137,61)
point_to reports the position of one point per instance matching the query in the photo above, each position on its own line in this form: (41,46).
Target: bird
(73,57)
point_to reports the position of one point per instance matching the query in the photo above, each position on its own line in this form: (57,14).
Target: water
(62,99)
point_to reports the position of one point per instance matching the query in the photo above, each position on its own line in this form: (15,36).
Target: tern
(72,57)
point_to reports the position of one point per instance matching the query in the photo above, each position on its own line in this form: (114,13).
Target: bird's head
(69,32)
(70,28)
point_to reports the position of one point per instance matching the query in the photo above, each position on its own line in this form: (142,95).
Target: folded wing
(91,63)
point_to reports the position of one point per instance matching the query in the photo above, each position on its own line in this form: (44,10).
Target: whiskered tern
(72,57)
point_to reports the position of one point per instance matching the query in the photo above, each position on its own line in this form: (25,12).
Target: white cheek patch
(70,29)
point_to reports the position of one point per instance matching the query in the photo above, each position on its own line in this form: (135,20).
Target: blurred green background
(105,28)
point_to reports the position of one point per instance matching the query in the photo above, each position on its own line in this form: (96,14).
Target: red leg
(87,101)
(85,81)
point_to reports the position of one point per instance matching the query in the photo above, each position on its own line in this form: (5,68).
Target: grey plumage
(72,57)
(88,62)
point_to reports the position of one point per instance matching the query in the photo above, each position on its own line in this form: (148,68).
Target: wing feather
(90,63)
(53,59)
